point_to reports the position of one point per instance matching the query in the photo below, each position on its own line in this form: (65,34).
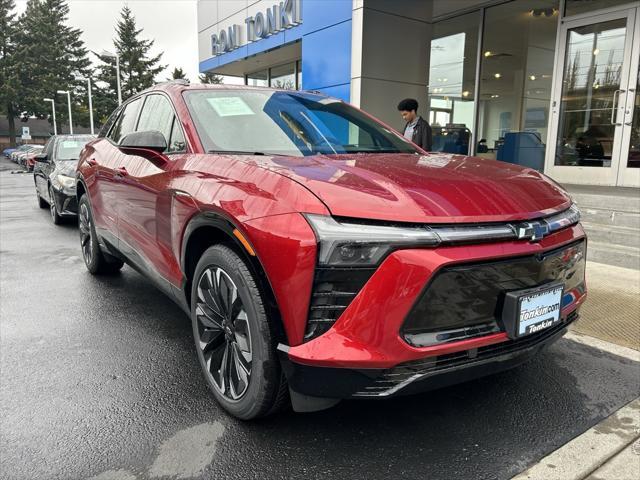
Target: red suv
(320,255)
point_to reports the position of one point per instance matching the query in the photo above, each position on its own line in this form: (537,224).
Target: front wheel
(55,216)
(97,263)
(235,342)
(41,202)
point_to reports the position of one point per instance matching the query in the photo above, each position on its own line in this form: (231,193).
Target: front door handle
(121,172)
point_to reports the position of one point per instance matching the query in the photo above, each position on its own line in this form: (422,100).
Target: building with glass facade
(552,84)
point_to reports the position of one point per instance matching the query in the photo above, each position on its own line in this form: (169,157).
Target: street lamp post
(118,79)
(69,104)
(90,102)
(108,54)
(53,107)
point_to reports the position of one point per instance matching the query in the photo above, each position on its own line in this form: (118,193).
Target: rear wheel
(97,262)
(235,343)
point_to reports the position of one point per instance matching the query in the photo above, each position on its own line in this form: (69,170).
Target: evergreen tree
(8,77)
(209,77)
(178,74)
(105,96)
(137,69)
(52,57)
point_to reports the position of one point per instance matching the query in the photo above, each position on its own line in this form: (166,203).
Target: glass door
(592,109)
(629,172)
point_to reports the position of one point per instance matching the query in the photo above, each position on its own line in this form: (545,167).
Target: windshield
(69,149)
(286,123)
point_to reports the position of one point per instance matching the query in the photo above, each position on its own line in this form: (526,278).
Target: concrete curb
(608,347)
(588,452)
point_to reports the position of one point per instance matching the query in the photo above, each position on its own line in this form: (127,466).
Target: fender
(222,222)
(209,218)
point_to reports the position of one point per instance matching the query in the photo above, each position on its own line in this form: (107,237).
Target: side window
(109,123)
(176,141)
(48,148)
(157,114)
(126,121)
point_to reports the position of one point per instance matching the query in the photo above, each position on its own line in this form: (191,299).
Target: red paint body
(145,208)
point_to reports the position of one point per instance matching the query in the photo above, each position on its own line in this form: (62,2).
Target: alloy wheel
(52,204)
(223,333)
(85,234)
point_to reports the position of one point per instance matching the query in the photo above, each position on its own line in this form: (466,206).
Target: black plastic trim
(332,382)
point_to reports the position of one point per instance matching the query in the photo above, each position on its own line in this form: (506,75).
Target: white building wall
(393,64)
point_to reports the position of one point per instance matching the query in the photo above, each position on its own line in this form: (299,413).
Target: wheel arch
(207,229)
(81,188)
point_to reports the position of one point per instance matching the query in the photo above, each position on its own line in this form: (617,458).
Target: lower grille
(462,299)
(333,291)
(394,379)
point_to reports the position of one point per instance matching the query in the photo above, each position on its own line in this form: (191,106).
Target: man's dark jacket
(421,134)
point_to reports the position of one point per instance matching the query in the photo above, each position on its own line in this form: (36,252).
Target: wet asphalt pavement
(99,378)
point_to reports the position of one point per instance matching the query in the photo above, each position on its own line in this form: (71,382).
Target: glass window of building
(515,81)
(576,7)
(284,76)
(258,79)
(452,71)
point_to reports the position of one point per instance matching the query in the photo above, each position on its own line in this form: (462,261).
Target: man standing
(417,129)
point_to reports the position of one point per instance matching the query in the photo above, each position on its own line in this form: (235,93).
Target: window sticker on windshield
(230,106)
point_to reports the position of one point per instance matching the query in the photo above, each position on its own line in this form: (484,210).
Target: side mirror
(149,145)
(151,140)
(41,157)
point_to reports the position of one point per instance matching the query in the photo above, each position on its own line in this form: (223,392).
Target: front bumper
(364,352)
(66,201)
(422,375)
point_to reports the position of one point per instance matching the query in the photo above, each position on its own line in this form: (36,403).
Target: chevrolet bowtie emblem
(533,231)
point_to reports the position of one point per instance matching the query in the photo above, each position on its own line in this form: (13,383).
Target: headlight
(65,181)
(564,219)
(351,244)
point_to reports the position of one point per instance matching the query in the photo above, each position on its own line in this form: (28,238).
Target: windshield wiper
(242,152)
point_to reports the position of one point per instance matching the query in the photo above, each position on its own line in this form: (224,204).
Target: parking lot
(99,377)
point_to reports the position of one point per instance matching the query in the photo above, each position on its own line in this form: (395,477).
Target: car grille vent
(333,291)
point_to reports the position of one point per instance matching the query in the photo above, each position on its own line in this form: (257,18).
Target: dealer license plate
(538,309)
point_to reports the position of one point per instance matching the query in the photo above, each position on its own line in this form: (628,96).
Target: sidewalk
(612,309)
(608,451)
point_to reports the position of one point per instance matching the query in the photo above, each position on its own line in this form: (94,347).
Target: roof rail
(179,81)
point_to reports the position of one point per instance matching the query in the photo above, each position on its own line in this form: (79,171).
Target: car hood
(66,167)
(436,188)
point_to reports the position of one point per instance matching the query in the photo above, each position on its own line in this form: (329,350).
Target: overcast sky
(172,24)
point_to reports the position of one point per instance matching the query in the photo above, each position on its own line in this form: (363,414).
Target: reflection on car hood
(438,188)
(66,167)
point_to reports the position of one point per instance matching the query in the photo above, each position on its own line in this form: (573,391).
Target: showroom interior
(550,84)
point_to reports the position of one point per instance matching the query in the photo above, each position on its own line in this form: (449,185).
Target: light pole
(90,103)
(107,54)
(69,103)
(53,107)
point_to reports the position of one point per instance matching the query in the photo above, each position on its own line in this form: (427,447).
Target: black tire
(41,202)
(262,385)
(96,261)
(53,209)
